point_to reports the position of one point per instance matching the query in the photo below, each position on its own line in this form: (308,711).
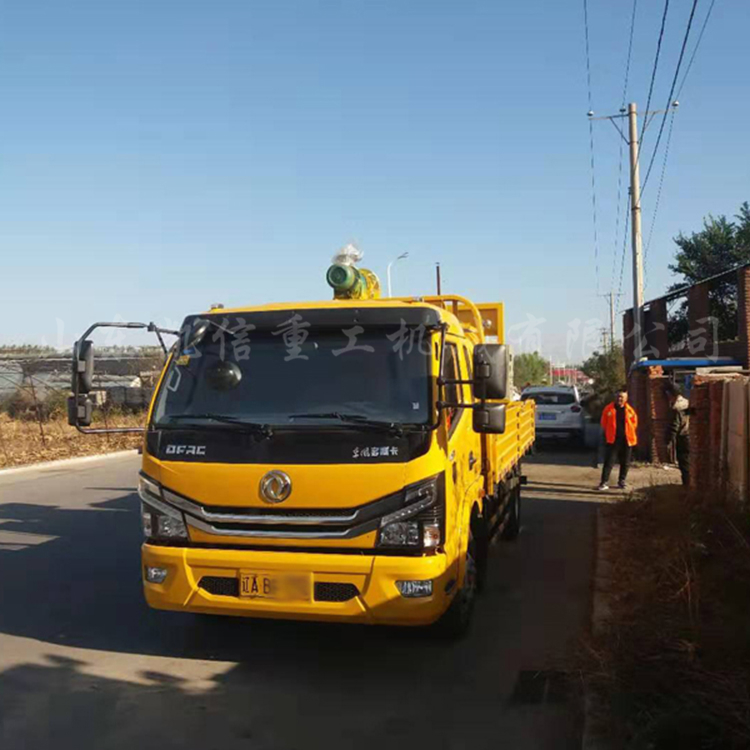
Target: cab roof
(462,316)
(361,311)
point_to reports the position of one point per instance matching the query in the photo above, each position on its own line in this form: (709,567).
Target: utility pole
(611,297)
(437,274)
(605,333)
(632,139)
(636,236)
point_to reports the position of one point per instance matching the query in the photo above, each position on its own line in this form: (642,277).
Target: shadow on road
(561,453)
(288,684)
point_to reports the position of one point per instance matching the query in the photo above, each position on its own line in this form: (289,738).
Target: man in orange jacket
(620,424)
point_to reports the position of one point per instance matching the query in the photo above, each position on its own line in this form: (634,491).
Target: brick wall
(659,416)
(638,397)
(647,397)
(715,399)
(658,340)
(743,322)
(700,440)
(700,332)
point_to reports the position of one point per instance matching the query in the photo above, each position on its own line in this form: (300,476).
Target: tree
(530,369)
(607,370)
(720,246)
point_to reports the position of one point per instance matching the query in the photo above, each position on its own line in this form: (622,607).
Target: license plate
(548,416)
(282,587)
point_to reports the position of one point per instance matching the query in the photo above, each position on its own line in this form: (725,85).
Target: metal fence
(36,388)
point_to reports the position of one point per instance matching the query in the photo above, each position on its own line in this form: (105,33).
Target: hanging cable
(658,198)
(653,72)
(622,146)
(670,100)
(695,49)
(591,141)
(622,258)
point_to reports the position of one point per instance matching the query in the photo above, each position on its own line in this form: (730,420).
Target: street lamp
(403,256)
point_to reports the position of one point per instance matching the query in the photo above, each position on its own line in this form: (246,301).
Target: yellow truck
(349,460)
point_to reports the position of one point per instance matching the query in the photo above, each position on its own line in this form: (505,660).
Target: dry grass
(673,664)
(22,441)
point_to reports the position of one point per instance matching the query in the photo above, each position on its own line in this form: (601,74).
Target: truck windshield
(302,380)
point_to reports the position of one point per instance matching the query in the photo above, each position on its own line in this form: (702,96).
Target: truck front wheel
(457,618)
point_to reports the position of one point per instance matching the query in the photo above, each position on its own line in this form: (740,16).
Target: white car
(558,411)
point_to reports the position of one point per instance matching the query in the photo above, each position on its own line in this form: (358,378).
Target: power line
(624,245)
(630,53)
(695,49)
(656,66)
(658,194)
(591,141)
(622,144)
(670,100)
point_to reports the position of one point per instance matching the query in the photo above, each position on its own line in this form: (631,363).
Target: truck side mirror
(489,418)
(80,406)
(80,412)
(491,371)
(83,366)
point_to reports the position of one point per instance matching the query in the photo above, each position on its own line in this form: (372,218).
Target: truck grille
(220,585)
(335,592)
(280,523)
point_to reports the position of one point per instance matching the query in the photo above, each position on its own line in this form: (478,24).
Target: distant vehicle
(559,413)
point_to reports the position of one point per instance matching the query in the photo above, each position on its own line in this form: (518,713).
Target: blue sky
(159,156)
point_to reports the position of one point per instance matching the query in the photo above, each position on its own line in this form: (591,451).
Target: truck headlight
(418,523)
(400,534)
(160,521)
(158,526)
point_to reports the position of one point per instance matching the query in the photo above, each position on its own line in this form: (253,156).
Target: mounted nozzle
(348,281)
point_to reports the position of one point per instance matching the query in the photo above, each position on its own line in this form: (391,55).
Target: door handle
(472,460)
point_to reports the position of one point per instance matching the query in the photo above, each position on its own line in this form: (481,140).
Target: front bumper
(375,576)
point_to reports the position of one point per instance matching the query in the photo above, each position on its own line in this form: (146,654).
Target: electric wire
(622,146)
(671,94)
(695,49)
(591,141)
(624,245)
(655,68)
(658,198)
(669,140)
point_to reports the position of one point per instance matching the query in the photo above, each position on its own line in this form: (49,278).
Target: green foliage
(530,369)
(607,370)
(720,246)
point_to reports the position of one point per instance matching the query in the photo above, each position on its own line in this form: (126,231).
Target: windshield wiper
(264,430)
(355,419)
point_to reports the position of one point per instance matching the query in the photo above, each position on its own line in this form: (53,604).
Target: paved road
(84,663)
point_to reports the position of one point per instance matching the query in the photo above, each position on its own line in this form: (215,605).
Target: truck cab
(347,460)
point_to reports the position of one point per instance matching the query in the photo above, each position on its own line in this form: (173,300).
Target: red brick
(659,416)
(700,442)
(716,396)
(743,314)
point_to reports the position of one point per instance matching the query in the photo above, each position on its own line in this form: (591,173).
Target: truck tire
(455,623)
(513,523)
(481,538)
